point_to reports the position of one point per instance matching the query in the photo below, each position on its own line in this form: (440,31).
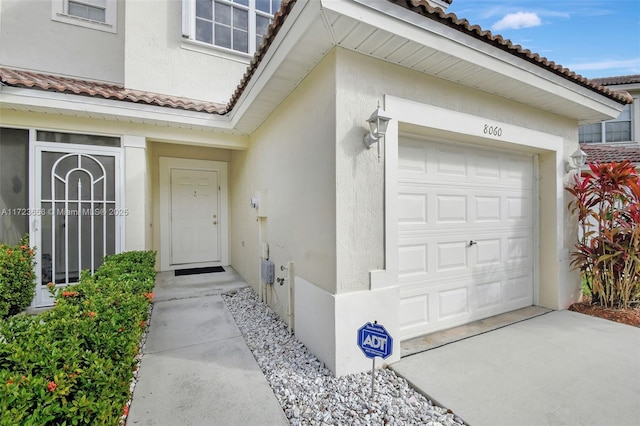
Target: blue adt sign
(375,341)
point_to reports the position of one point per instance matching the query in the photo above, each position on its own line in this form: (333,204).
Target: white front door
(465,234)
(193,213)
(194,216)
(77,213)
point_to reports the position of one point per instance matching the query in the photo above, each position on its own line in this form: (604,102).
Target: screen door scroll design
(78,201)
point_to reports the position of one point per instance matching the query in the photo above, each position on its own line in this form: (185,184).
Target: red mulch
(624,316)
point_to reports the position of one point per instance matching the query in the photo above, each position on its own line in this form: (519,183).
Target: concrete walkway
(560,368)
(197,369)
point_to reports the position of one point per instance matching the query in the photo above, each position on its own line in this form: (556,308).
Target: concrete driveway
(560,368)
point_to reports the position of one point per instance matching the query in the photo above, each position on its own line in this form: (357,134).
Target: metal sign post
(374,340)
(373,372)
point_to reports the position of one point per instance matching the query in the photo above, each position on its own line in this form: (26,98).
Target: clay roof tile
(50,82)
(608,153)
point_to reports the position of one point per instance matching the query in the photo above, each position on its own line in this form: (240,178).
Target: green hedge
(17,279)
(73,365)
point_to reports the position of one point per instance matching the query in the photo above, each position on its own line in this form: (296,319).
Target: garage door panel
(449,162)
(488,251)
(488,295)
(519,248)
(450,195)
(451,208)
(425,310)
(417,261)
(487,167)
(412,160)
(415,311)
(518,286)
(519,171)
(451,255)
(413,260)
(488,208)
(440,163)
(452,302)
(412,209)
(432,208)
(518,208)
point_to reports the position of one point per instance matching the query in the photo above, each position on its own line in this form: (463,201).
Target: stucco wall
(136,183)
(32,40)
(157,62)
(292,157)
(362,82)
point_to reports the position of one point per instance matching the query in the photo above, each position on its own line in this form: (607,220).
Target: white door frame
(42,297)
(165,166)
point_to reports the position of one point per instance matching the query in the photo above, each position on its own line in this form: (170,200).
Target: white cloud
(517,20)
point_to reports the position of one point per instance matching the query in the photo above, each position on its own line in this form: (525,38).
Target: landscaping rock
(306,389)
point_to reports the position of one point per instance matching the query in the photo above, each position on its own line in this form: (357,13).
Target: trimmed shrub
(74,364)
(17,277)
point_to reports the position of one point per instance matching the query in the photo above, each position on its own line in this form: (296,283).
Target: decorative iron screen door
(77,209)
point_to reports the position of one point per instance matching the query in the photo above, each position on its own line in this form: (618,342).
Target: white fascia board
(295,26)
(413,26)
(78,105)
(627,87)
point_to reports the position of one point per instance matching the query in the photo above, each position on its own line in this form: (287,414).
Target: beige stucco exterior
(292,162)
(56,46)
(317,197)
(156,54)
(326,204)
(557,285)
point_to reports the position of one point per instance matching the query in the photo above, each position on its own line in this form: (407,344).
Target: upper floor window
(237,25)
(97,14)
(95,10)
(617,130)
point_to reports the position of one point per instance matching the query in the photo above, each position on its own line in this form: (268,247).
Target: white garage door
(465,234)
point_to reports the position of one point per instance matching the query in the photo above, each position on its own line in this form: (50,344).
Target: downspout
(290,278)
(290,296)
(261,284)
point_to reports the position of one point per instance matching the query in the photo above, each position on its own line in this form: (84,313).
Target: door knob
(471,243)
(215,222)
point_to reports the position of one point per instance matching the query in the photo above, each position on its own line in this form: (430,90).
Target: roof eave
(27,99)
(571,97)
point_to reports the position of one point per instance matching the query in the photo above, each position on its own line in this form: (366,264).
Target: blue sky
(592,38)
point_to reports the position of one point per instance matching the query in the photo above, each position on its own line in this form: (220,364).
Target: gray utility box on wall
(268,271)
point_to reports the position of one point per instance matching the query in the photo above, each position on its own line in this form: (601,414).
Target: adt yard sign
(375,341)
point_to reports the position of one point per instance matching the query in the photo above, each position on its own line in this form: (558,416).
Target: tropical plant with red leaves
(607,204)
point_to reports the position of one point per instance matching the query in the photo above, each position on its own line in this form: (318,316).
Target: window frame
(60,13)
(603,127)
(189,27)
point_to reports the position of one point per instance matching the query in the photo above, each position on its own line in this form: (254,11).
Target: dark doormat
(193,271)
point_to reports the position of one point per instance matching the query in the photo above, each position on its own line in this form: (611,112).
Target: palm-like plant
(607,204)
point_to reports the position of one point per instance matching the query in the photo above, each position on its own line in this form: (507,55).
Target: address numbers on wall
(492,130)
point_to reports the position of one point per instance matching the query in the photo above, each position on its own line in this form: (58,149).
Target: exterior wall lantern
(378,123)
(578,158)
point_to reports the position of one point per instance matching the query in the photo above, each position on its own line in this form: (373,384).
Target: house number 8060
(493,131)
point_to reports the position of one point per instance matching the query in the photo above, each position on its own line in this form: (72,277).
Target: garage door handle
(471,243)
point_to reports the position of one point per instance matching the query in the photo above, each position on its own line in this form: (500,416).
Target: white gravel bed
(306,389)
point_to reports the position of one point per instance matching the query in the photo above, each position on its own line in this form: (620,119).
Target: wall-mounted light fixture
(378,123)
(578,158)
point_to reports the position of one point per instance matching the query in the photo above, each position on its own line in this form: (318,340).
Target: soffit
(392,33)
